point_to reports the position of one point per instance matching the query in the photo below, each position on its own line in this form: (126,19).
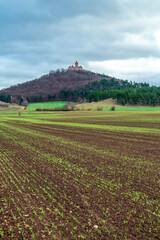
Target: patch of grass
(105,104)
(109,103)
(45,105)
(136,108)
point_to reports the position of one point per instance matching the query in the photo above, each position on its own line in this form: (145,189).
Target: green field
(34,106)
(104,104)
(80,175)
(135,108)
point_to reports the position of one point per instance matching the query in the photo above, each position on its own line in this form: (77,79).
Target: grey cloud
(45,34)
(63,9)
(152,79)
(13,71)
(141,7)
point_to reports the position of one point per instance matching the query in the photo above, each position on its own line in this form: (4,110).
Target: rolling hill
(50,85)
(80,85)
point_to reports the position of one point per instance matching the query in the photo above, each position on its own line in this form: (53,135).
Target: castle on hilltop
(76,67)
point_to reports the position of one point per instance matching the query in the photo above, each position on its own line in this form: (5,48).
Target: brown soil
(60,182)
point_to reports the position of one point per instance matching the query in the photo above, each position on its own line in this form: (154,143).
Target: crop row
(66,182)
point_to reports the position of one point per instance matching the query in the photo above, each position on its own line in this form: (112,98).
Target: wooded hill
(81,86)
(66,86)
(49,86)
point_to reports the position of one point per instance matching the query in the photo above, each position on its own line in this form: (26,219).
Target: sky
(120,38)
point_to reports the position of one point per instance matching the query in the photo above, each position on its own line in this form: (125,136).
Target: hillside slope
(53,83)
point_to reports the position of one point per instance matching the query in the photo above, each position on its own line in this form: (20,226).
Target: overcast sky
(120,38)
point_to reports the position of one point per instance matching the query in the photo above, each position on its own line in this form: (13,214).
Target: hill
(80,85)
(48,87)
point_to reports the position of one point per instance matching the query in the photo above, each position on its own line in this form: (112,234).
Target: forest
(132,96)
(123,91)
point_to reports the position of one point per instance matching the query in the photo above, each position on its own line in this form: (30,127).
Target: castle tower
(76,67)
(76,64)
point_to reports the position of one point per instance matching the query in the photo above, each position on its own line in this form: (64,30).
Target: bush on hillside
(113,108)
(99,108)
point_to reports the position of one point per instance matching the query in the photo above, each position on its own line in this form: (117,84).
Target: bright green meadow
(49,105)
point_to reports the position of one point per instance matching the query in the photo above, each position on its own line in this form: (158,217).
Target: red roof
(75,67)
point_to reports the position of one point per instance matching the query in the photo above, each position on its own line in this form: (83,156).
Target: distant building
(76,67)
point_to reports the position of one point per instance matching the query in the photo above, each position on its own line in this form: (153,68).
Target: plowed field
(80,175)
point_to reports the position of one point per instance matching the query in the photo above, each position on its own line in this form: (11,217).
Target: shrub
(113,108)
(65,108)
(69,107)
(99,108)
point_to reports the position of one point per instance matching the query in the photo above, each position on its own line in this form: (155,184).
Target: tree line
(4,98)
(121,90)
(133,96)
